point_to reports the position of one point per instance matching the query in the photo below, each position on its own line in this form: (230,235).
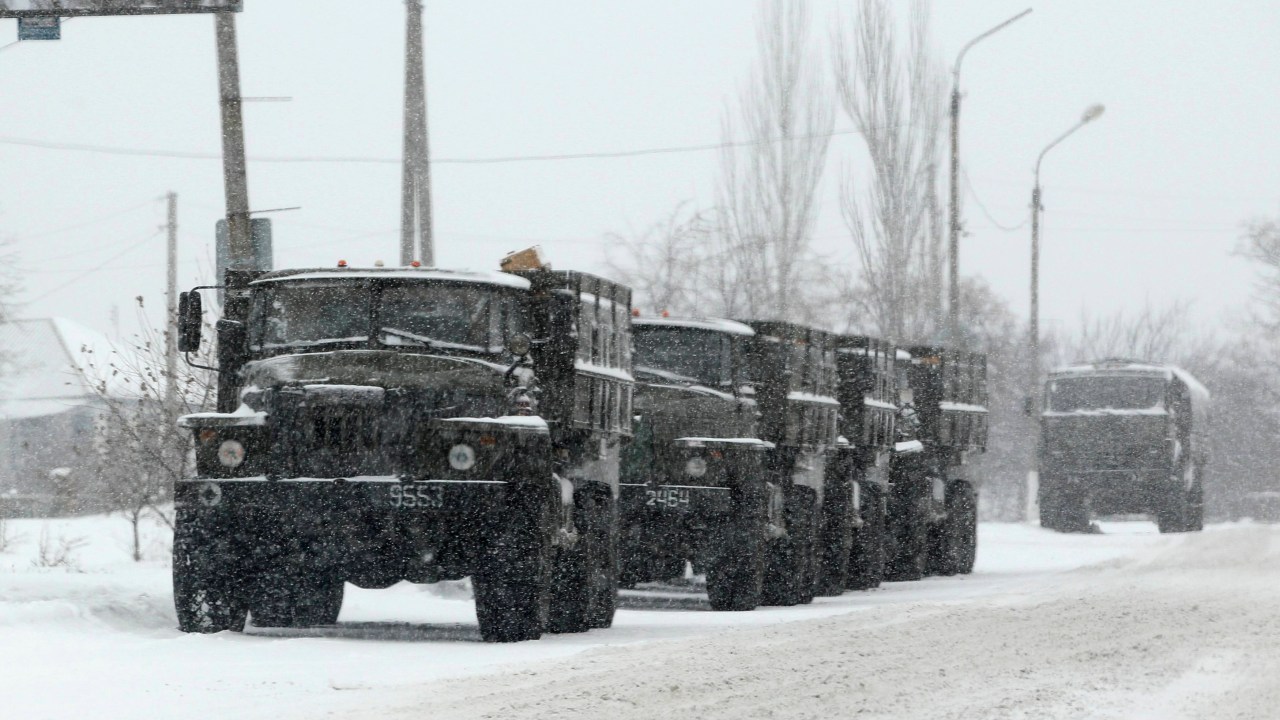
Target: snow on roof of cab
(1137,367)
(488,278)
(718,324)
(903,354)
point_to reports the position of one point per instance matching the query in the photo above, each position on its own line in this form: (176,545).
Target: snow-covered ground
(1128,624)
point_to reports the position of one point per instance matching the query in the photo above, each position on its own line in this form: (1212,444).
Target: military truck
(932,515)
(1123,436)
(792,372)
(379,425)
(868,395)
(693,481)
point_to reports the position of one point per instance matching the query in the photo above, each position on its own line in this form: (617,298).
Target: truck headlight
(696,467)
(231,453)
(462,457)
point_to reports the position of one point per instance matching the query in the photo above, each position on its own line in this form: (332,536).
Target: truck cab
(693,485)
(386,424)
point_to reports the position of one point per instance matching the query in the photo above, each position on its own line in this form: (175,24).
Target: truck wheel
(207,576)
(1065,509)
(735,557)
(602,526)
(957,546)
(1173,514)
(1050,508)
(512,581)
(866,559)
(579,571)
(789,577)
(909,522)
(835,538)
(1195,510)
(291,595)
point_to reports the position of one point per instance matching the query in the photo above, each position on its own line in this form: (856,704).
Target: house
(48,409)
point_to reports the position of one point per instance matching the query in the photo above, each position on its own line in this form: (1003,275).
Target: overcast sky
(1145,204)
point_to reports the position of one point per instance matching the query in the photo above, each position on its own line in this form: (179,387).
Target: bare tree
(1159,334)
(139,450)
(895,100)
(767,195)
(663,263)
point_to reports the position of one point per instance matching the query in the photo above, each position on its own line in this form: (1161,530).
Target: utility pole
(416,239)
(953,299)
(235,173)
(171,309)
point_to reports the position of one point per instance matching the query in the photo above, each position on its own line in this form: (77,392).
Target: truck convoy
(1123,436)
(388,424)
(408,424)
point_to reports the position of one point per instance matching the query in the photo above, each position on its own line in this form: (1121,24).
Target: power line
(78,226)
(97,267)
(362,160)
(982,206)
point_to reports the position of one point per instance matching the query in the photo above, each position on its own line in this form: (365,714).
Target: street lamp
(1090,114)
(953,302)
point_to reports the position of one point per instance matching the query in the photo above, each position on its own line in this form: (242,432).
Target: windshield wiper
(421,340)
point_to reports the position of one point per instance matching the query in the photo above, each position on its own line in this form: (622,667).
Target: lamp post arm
(1054,144)
(955,70)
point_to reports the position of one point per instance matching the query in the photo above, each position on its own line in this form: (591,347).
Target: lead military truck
(693,482)
(379,425)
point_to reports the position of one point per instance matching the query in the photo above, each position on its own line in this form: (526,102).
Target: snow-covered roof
(489,278)
(1137,367)
(47,362)
(717,324)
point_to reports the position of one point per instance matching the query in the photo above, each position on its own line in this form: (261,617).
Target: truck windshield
(682,354)
(435,315)
(302,314)
(1106,393)
(429,315)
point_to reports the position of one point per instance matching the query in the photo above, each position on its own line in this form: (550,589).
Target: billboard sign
(81,8)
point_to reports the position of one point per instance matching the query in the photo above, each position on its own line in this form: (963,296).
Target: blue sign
(39,28)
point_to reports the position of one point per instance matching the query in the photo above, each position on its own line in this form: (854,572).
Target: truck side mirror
(190,321)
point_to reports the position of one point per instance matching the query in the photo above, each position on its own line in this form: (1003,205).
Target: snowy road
(1128,624)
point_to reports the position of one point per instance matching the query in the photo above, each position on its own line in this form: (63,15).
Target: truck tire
(1173,515)
(293,597)
(602,526)
(834,538)
(512,581)
(909,534)
(584,574)
(789,570)
(735,554)
(1065,509)
(207,574)
(866,558)
(956,547)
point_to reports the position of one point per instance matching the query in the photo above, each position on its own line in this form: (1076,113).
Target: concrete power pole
(416,240)
(171,309)
(235,173)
